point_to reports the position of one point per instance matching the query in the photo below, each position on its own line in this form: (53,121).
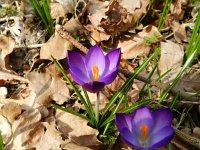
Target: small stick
(28,46)
(187,138)
(64,34)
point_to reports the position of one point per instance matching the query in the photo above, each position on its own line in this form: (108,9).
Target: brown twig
(188,139)
(64,34)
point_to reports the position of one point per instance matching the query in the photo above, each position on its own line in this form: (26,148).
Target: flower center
(95,73)
(144,132)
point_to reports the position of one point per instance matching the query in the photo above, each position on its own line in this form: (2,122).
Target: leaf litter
(29,83)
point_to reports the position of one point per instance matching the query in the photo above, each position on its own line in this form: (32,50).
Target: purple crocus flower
(145,129)
(94,70)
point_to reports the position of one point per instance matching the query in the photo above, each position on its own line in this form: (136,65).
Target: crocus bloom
(94,70)
(145,129)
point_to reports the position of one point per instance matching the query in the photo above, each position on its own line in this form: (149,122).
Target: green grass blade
(75,89)
(70,111)
(164,13)
(39,10)
(89,104)
(194,36)
(48,16)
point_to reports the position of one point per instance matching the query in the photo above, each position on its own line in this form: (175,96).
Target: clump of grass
(7,11)
(42,9)
(191,54)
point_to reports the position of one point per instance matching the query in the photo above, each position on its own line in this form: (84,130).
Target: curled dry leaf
(135,45)
(48,88)
(5,129)
(171,58)
(111,18)
(76,129)
(179,31)
(11,111)
(56,47)
(8,76)
(6,47)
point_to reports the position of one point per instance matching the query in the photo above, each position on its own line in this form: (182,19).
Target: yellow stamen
(144,132)
(95,73)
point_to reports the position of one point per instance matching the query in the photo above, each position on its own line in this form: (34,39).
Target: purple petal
(162,137)
(142,116)
(158,116)
(78,76)
(76,60)
(123,121)
(77,68)
(113,59)
(110,77)
(95,57)
(129,138)
(93,87)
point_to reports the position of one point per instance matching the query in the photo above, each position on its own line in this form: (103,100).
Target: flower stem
(97,108)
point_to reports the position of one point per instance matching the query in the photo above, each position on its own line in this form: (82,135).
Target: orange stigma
(95,73)
(144,132)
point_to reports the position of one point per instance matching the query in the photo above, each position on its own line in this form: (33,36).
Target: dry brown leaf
(179,31)
(76,129)
(11,111)
(73,26)
(56,47)
(96,12)
(134,46)
(176,10)
(51,139)
(69,5)
(189,84)
(48,88)
(96,34)
(7,45)
(5,129)
(171,58)
(57,10)
(8,76)
(21,127)
(131,5)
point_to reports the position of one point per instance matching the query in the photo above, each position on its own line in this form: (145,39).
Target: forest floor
(30,82)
